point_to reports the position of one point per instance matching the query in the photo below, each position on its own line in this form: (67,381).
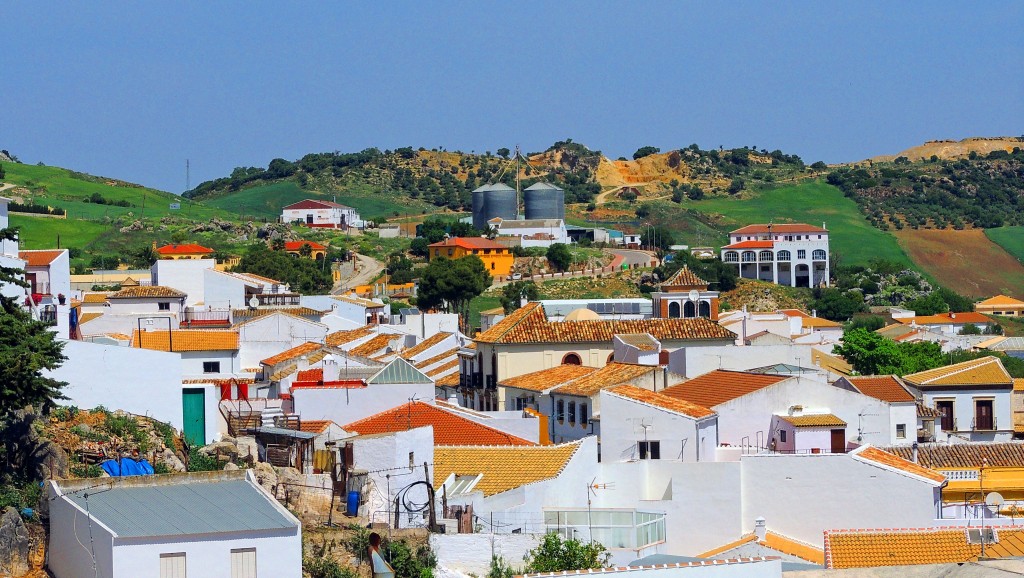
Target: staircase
(270,416)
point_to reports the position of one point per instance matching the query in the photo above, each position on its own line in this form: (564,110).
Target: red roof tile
(292,353)
(662,401)
(469,243)
(186,249)
(39,258)
(314,425)
(297,245)
(720,386)
(778,228)
(751,245)
(449,429)
(311,375)
(884,387)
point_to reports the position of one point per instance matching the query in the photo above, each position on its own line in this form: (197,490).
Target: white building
(316,213)
(533,232)
(199,524)
(268,335)
(225,290)
(637,424)
(185,275)
(48,271)
(785,254)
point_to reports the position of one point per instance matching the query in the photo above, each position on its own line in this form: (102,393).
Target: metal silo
(480,207)
(501,202)
(544,201)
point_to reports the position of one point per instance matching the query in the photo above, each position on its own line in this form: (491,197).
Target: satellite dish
(694,295)
(254,302)
(994,499)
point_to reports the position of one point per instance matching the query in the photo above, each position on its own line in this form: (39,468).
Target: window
(650,450)
(801,253)
(945,408)
(782,435)
(983,419)
(818,255)
(211,367)
(243,563)
(412,460)
(784,255)
(572,359)
(673,310)
(492,264)
(451,252)
(163,306)
(731,256)
(749,256)
(583,414)
(172,565)
(901,431)
(476,251)
(765,256)
(560,411)
(572,413)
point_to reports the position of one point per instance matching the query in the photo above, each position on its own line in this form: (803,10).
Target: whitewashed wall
(621,421)
(184,275)
(192,363)
(278,554)
(222,290)
(471,553)
(390,455)
(963,411)
(348,405)
(694,361)
(69,530)
(271,334)
(111,322)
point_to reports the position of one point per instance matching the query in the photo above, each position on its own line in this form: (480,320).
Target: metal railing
(991,426)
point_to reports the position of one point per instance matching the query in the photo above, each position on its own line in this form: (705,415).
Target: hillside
(955,149)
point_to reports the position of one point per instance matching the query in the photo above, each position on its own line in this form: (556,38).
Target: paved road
(635,257)
(366,269)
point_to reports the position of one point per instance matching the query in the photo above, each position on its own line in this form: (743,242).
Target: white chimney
(760,529)
(453,399)
(914,457)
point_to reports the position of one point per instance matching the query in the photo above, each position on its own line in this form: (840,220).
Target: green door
(193,410)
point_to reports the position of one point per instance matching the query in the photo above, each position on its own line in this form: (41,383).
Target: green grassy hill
(266,200)
(1009,238)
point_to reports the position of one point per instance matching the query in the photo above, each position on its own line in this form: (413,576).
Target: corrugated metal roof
(399,371)
(285,432)
(180,509)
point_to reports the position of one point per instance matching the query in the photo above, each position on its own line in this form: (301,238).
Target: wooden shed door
(839,441)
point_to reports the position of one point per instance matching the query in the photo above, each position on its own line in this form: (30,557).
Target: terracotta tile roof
(661,401)
(730,546)
(297,245)
(982,371)
(818,322)
(685,277)
(965,455)
(751,245)
(641,341)
(425,345)
(925,411)
(503,468)
(913,546)
(813,420)
(720,386)
(1018,384)
(39,258)
(450,429)
(341,337)
(788,545)
(450,380)
(469,243)
(1002,300)
(311,375)
(778,228)
(293,353)
(453,364)
(145,291)
(367,303)
(451,353)
(830,362)
(186,249)
(87,317)
(890,461)
(282,373)
(529,324)
(116,335)
(884,387)
(314,425)
(241,316)
(546,379)
(95,297)
(609,375)
(375,344)
(187,340)
(946,319)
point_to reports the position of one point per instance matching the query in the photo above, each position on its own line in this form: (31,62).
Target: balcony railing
(492,381)
(984,424)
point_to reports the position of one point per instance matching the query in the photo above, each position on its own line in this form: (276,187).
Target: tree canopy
(559,256)
(872,354)
(513,294)
(450,285)
(554,554)
(302,275)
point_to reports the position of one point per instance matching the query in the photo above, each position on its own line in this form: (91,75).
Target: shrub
(326,568)
(200,462)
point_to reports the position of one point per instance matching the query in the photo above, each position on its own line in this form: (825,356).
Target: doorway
(839,441)
(193,411)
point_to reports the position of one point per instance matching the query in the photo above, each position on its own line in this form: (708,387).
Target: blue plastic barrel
(353,503)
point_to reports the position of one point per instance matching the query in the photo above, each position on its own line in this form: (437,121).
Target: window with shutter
(243,563)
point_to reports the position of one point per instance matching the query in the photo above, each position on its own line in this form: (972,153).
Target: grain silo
(502,202)
(544,201)
(480,207)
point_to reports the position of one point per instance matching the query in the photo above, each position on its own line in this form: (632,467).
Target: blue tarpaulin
(127,467)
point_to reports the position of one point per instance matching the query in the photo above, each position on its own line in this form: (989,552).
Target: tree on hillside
(450,285)
(513,294)
(837,305)
(720,276)
(559,256)
(419,247)
(302,275)
(645,152)
(658,238)
(503,152)
(872,354)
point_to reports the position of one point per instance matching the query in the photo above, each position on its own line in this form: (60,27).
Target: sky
(132,90)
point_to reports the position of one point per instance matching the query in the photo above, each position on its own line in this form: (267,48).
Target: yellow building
(1001,305)
(497,258)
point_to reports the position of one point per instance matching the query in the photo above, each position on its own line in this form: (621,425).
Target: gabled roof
(147,291)
(884,387)
(751,245)
(314,204)
(830,362)
(450,429)
(297,245)
(443,369)
(721,385)
(813,420)
(186,340)
(450,355)
(186,249)
(946,319)
(641,341)
(982,371)
(367,303)
(529,324)
(661,401)
(913,546)
(316,426)
(612,374)
(375,344)
(1002,300)
(293,353)
(502,468)
(774,541)
(894,463)
(778,228)
(965,455)
(546,379)
(685,277)
(399,371)
(342,337)
(424,345)
(95,297)
(469,243)
(925,411)
(39,258)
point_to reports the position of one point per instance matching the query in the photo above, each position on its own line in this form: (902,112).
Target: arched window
(689,310)
(611,358)
(583,414)
(492,264)
(731,256)
(560,410)
(749,256)
(572,413)
(673,309)
(783,255)
(572,359)
(705,309)
(818,255)
(766,256)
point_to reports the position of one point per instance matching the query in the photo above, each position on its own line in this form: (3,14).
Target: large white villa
(794,254)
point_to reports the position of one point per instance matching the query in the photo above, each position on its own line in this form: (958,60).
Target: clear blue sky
(130,90)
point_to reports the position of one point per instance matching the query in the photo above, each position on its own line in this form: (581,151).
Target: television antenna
(592,488)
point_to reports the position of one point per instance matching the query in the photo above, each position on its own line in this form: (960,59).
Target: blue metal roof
(171,509)
(399,371)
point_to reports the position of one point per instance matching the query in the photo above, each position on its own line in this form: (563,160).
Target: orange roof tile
(1018,384)
(813,420)
(720,386)
(751,245)
(450,380)
(450,429)
(965,455)
(146,291)
(341,337)
(685,278)
(425,345)
(443,368)
(726,547)
(39,258)
(469,243)
(892,461)
(529,324)
(451,353)
(1002,300)
(186,340)
(925,411)
(884,387)
(787,545)
(818,322)
(609,375)
(982,371)
(314,425)
(316,374)
(912,546)
(946,319)
(95,297)
(830,362)
(87,317)
(502,468)
(187,249)
(297,245)
(778,228)
(546,379)
(375,344)
(292,353)
(661,401)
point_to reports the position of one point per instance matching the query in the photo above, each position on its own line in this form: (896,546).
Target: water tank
(544,201)
(480,207)
(501,202)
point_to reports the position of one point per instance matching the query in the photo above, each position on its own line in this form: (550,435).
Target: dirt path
(366,269)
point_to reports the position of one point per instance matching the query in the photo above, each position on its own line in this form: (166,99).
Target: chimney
(913,456)
(760,529)
(453,399)
(814,312)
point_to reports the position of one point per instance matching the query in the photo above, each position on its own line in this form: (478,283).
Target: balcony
(219,318)
(984,424)
(492,382)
